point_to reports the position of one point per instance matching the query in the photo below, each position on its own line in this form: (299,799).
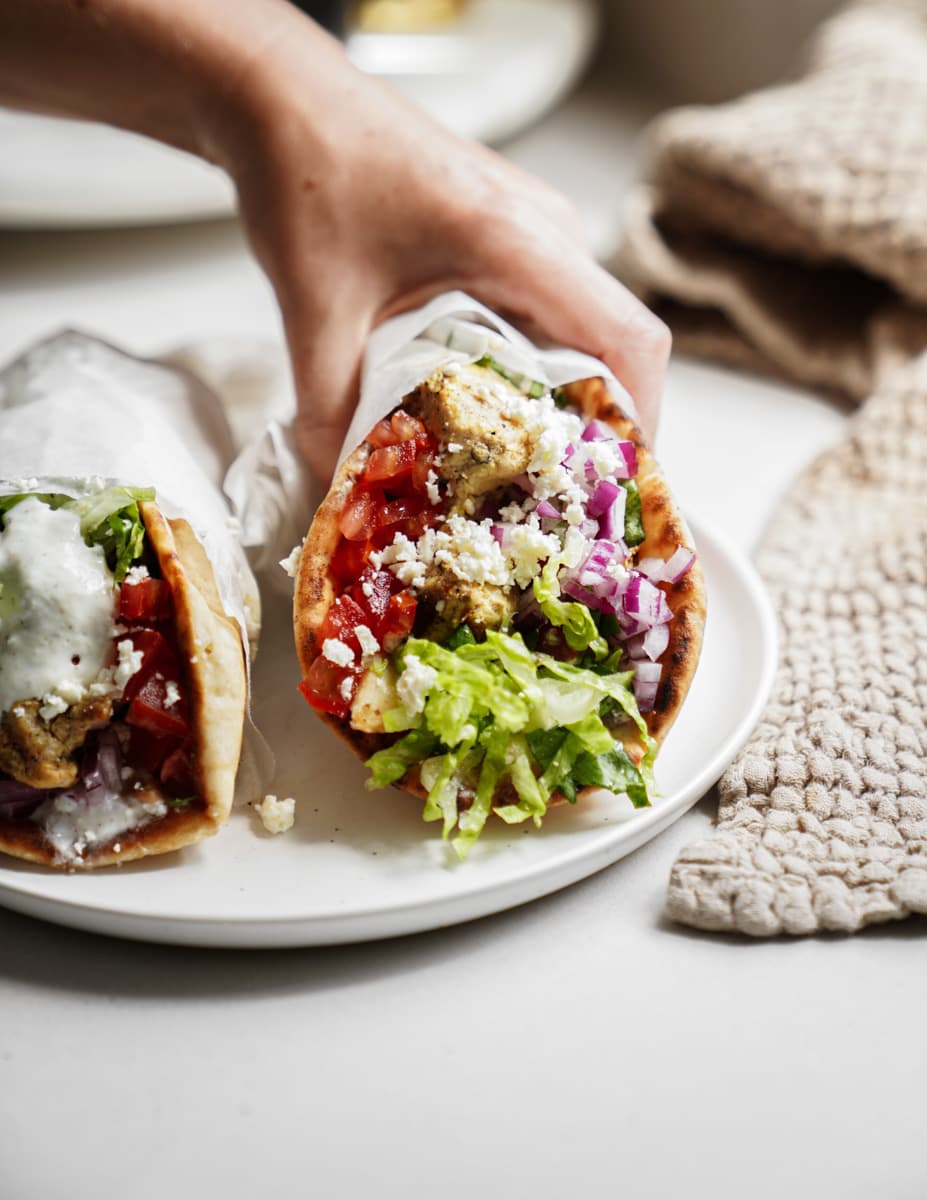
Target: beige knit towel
(788,231)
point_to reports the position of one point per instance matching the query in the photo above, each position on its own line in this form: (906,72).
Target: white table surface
(580,1046)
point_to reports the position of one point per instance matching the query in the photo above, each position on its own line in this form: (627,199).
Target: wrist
(271,94)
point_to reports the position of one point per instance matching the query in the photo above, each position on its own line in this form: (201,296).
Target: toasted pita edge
(210,645)
(665,529)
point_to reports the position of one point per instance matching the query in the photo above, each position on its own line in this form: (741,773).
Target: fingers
(580,305)
(326,351)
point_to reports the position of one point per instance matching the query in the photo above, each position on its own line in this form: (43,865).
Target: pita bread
(210,647)
(665,530)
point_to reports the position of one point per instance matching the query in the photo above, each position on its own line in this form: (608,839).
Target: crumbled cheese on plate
(277,816)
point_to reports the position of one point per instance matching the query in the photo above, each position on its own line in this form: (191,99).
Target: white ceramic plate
(361,865)
(492,73)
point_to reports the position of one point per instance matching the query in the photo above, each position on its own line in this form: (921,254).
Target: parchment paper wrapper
(74,410)
(456,328)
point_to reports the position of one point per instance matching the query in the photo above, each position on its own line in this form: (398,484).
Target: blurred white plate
(361,865)
(502,65)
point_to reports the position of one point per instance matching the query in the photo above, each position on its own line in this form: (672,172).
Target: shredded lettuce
(575,619)
(502,721)
(612,770)
(389,765)
(108,518)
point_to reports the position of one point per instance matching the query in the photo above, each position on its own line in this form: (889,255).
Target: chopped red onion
(603,550)
(100,777)
(651,568)
(498,533)
(648,672)
(629,453)
(646,683)
(101,764)
(604,495)
(643,606)
(595,431)
(611,524)
(678,564)
(671,571)
(574,589)
(548,511)
(19,800)
(650,644)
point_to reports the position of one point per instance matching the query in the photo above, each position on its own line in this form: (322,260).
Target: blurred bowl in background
(486,70)
(705,51)
(403,16)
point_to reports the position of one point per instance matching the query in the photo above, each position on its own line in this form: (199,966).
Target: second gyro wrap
(126,609)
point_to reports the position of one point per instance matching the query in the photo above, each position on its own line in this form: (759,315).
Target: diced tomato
(399,619)
(158,656)
(399,509)
(322,687)
(389,464)
(372,592)
(177,772)
(359,516)
(349,560)
(150,709)
(413,527)
(146,600)
(383,434)
(341,620)
(423,465)
(149,750)
(406,427)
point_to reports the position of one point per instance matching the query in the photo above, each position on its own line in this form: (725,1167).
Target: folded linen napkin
(788,231)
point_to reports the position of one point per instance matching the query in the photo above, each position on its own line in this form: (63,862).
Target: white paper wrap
(456,328)
(74,410)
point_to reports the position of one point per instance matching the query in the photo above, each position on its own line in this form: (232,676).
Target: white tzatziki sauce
(56,605)
(74,826)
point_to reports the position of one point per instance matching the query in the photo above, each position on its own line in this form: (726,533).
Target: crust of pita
(665,530)
(211,650)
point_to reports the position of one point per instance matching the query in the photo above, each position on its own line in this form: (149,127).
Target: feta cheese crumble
(431,487)
(337,652)
(368,643)
(414,683)
(277,816)
(290,564)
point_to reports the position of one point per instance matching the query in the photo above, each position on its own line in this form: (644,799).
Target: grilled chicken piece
(483,448)
(40,753)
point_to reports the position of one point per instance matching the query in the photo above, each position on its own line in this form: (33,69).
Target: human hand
(359,207)
(356,203)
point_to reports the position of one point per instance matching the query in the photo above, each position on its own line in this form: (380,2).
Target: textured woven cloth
(788,231)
